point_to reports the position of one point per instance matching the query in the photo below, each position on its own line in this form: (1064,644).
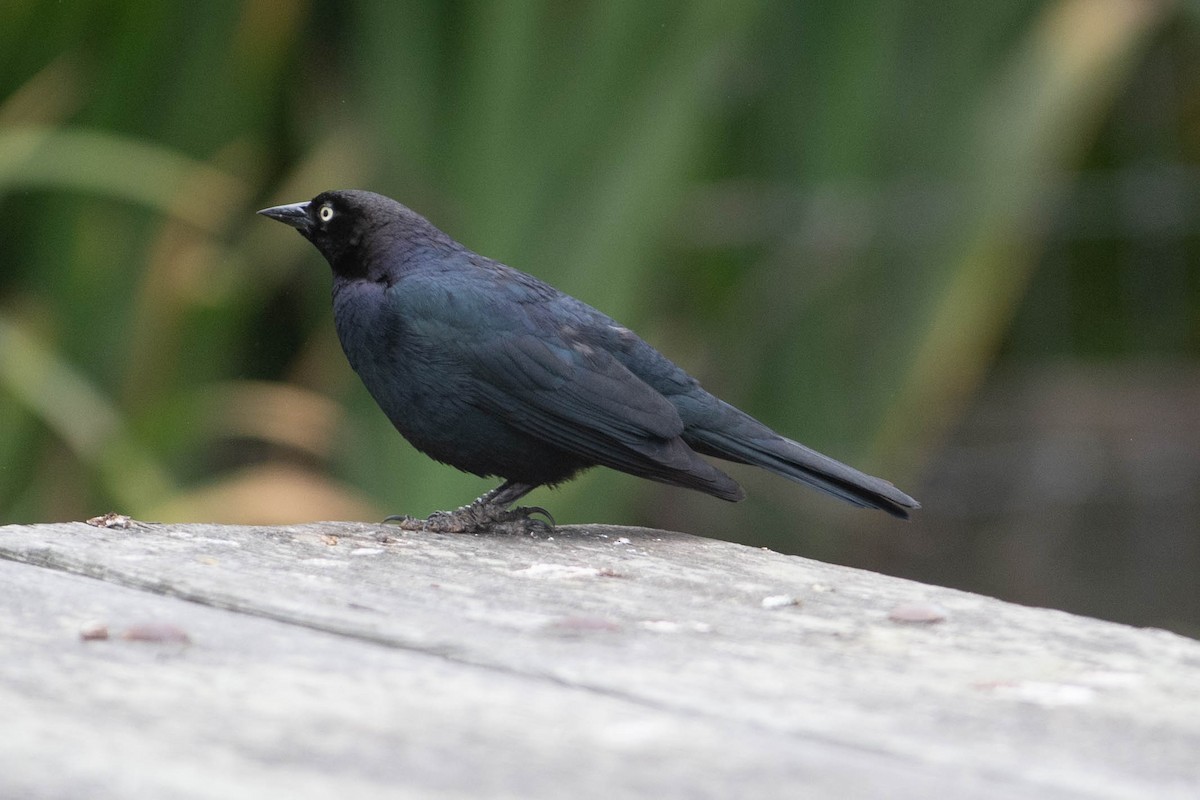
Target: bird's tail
(750,442)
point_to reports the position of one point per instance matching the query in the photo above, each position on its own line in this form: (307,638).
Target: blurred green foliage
(828,211)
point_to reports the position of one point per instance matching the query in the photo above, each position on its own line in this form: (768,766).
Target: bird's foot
(480,517)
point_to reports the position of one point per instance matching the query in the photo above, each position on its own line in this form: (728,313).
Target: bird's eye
(326,213)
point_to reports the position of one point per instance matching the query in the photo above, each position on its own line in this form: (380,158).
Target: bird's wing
(534,368)
(584,401)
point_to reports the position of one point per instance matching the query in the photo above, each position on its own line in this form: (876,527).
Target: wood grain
(353,660)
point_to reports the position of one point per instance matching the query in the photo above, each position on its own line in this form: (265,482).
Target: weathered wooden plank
(255,708)
(599,662)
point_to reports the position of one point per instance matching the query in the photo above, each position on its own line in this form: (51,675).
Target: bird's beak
(295,215)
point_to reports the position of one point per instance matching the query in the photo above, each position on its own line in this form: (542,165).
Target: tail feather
(750,442)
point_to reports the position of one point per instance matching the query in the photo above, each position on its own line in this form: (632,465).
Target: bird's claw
(529,511)
(520,521)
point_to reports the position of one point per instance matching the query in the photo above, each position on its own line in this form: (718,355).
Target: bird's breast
(412,379)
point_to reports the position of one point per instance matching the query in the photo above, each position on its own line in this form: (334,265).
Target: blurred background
(953,243)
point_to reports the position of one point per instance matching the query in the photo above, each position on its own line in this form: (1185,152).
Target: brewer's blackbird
(494,372)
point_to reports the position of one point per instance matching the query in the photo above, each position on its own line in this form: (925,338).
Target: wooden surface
(601,662)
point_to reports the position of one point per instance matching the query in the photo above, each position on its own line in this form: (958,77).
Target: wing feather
(584,400)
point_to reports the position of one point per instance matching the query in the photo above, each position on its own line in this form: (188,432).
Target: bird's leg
(489,512)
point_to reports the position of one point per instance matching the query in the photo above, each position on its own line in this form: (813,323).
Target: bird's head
(343,225)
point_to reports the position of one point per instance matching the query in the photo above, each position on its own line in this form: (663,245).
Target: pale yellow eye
(326,213)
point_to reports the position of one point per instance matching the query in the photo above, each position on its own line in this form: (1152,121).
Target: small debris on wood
(926,613)
(780,601)
(162,632)
(329,539)
(93,631)
(111,520)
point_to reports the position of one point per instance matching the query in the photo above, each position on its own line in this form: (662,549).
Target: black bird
(494,372)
